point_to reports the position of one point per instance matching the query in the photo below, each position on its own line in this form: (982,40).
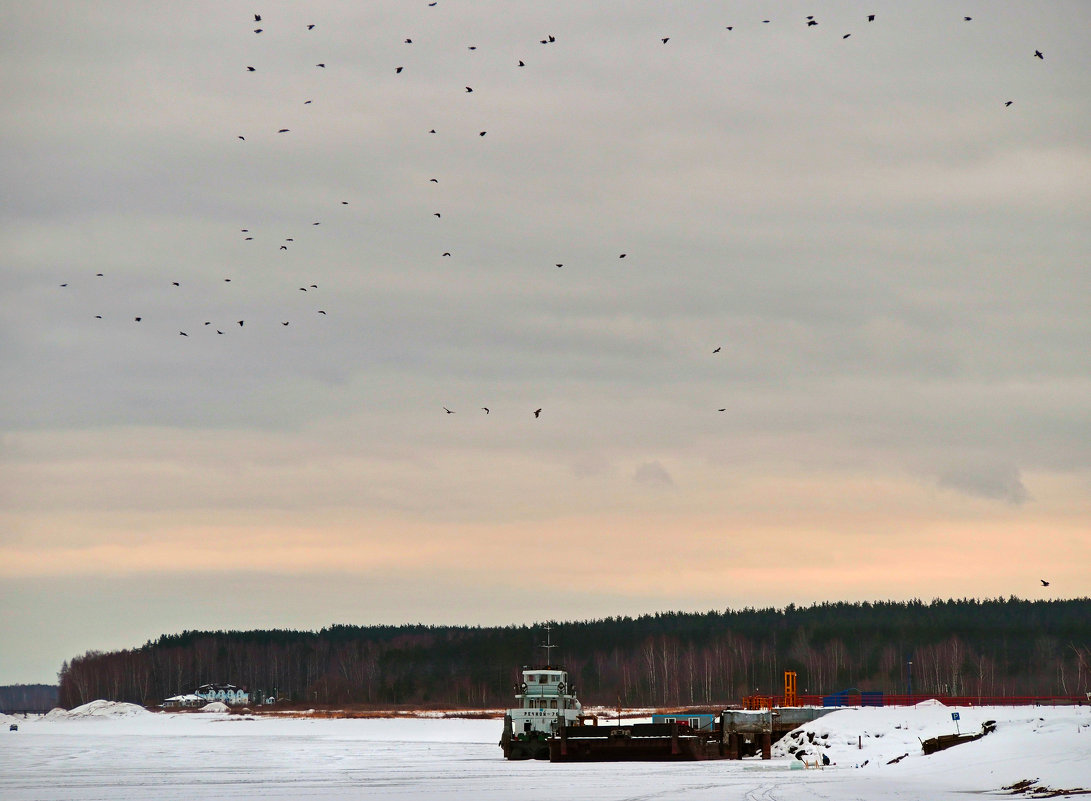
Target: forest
(965,647)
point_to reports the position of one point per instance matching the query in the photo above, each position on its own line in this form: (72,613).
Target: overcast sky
(891,262)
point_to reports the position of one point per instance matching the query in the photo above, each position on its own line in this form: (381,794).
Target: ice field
(106,750)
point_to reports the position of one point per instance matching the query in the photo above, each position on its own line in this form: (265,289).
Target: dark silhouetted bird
(183,334)
(521,64)
(409,41)
(486,409)
(241,322)
(665,39)
(436,214)
(283,247)
(398,69)
(716,351)
(721,410)
(344,202)
(731,27)
(967,19)
(846,36)
(811,22)
(537,412)
(1008,103)
(320,311)
(98,275)
(175,283)
(482,133)
(1038,54)
(218,331)
(257,18)
(64,284)
(560,265)
(323,66)
(243,138)
(469,88)
(284,324)
(871,18)
(434,180)
(1044,582)
(307,102)
(251,69)
(447,410)
(446,253)
(136,319)
(310,27)
(283,130)
(248,239)
(257,30)
(98,316)
(623,255)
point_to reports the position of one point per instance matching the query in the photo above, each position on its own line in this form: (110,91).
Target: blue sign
(954,716)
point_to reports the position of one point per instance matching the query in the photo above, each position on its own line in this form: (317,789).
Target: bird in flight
(871,18)
(486,408)
(241,322)
(482,133)
(716,351)
(1038,54)
(283,130)
(310,27)
(1044,582)
(175,283)
(243,138)
(537,412)
(967,19)
(320,311)
(447,410)
(323,66)
(183,333)
(469,88)
(257,18)
(1009,102)
(251,69)
(397,70)
(665,39)
(521,64)
(447,253)
(623,255)
(136,319)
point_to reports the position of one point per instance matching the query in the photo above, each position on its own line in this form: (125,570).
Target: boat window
(531,678)
(695,723)
(553,704)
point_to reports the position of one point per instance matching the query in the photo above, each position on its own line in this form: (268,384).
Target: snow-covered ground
(114,751)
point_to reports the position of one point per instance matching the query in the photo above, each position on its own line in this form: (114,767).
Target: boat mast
(547,644)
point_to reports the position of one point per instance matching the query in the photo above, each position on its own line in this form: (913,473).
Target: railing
(882,699)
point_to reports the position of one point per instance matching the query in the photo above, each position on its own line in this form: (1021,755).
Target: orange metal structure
(790,688)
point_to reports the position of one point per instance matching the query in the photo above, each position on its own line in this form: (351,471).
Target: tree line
(28,697)
(1001,647)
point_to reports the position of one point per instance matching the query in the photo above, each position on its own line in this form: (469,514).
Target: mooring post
(766,745)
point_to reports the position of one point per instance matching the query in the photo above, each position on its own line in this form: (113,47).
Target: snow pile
(98,709)
(1051,745)
(216,706)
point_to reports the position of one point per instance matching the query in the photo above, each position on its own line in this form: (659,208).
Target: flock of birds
(287,241)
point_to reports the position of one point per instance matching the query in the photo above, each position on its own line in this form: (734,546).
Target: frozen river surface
(117,752)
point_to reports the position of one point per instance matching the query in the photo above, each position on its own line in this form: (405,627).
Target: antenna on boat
(547,644)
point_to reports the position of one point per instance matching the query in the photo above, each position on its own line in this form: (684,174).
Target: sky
(805,316)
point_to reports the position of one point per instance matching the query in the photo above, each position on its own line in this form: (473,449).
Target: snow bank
(216,706)
(97,709)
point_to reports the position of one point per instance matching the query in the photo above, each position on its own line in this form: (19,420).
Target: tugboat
(545,703)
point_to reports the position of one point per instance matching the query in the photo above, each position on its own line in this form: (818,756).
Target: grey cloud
(653,474)
(995,482)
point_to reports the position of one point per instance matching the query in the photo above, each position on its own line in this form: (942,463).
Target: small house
(694,720)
